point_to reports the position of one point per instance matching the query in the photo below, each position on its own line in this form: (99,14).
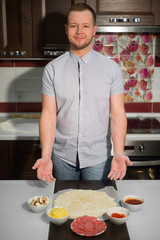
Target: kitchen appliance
(128,29)
(143,147)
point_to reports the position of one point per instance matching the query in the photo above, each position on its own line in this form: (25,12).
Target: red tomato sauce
(118,215)
(133,201)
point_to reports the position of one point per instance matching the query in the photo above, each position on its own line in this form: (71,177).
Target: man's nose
(79,29)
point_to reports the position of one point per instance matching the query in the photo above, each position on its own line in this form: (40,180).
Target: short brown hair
(79,7)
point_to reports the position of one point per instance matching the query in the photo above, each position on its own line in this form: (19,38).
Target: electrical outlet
(19,96)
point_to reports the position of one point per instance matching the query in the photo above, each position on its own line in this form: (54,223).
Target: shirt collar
(86,58)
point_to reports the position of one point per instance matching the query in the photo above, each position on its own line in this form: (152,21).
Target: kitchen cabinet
(15,28)
(22,156)
(126,12)
(49,35)
(17,159)
(4,165)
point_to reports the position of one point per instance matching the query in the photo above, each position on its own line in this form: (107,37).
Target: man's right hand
(44,168)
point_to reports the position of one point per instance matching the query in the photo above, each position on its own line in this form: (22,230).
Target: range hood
(125,29)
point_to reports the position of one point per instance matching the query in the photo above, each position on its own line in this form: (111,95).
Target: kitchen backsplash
(20,80)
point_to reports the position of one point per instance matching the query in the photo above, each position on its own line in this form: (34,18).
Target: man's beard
(83,46)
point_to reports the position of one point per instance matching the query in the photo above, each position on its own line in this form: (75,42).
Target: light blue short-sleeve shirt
(82,88)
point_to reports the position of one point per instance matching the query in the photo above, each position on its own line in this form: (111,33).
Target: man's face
(80,30)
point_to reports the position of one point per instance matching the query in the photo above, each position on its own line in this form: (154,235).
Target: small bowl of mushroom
(38,203)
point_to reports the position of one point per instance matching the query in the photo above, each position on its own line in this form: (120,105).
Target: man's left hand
(119,166)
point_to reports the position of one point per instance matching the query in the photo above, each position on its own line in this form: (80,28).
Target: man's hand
(119,167)
(44,168)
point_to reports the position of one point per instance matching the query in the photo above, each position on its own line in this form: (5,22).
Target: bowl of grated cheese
(58,216)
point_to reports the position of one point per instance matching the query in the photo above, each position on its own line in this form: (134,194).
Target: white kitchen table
(144,224)
(17,222)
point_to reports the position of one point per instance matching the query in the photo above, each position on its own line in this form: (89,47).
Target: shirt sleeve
(117,85)
(48,80)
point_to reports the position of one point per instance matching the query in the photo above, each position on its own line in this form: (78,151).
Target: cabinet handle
(36,145)
(12,53)
(53,53)
(125,20)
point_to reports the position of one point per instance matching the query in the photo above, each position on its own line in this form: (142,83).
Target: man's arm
(47,129)
(118,132)
(47,125)
(118,122)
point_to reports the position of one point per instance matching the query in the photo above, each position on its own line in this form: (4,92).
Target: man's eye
(73,26)
(85,26)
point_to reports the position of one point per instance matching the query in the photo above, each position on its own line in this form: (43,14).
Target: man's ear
(94,30)
(66,29)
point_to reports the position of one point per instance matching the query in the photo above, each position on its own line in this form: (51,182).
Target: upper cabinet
(49,27)
(33,28)
(36,28)
(15,28)
(126,12)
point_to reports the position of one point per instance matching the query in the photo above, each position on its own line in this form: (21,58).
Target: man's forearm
(118,132)
(47,129)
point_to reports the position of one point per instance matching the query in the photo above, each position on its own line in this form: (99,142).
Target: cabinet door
(49,26)
(15,28)
(4,167)
(126,12)
(22,155)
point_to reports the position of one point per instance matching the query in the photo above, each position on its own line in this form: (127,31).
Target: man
(81,90)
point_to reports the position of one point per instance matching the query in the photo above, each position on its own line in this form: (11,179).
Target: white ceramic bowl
(133,207)
(57,221)
(121,210)
(39,208)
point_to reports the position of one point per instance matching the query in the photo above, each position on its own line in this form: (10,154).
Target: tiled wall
(20,80)
(20,83)
(136,55)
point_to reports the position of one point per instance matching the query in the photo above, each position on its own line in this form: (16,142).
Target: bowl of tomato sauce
(133,202)
(118,215)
